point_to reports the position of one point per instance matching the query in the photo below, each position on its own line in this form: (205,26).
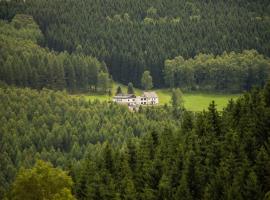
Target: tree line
(231,72)
(156,153)
(135,36)
(25,64)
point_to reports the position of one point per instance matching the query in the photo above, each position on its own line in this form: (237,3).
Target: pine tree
(119,90)
(183,189)
(267,94)
(70,74)
(214,119)
(130,89)
(262,170)
(59,76)
(252,188)
(187,123)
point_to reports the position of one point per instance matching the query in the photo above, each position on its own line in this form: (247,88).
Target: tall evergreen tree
(130,89)
(119,90)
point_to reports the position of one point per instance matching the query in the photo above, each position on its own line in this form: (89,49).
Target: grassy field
(198,101)
(194,101)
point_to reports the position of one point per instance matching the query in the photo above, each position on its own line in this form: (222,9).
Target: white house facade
(147,98)
(150,98)
(128,99)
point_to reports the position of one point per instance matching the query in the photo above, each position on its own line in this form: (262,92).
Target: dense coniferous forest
(231,72)
(156,153)
(58,146)
(134,36)
(24,63)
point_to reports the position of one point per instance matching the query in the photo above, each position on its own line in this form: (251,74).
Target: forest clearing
(193,101)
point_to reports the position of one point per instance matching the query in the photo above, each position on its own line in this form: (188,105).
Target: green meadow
(193,101)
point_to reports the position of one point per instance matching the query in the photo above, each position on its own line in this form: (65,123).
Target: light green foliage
(193,101)
(151,12)
(228,72)
(104,82)
(25,63)
(146,80)
(42,182)
(177,98)
(22,27)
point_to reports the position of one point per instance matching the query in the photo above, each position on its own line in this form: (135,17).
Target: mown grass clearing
(193,101)
(197,101)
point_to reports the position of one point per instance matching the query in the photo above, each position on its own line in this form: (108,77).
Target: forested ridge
(58,146)
(156,153)
(134,36)
(24,63)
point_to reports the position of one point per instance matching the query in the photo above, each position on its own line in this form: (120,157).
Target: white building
(128,99)
(147,98)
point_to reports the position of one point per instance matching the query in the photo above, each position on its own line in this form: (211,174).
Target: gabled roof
(150,94)
(124,96)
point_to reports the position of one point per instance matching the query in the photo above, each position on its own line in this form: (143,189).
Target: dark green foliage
(119,90)
(267,93)
(24,63)
(113,153)
(157,152)
(215,164)
(134,36)
(130,89)
(231,72)
(63,129)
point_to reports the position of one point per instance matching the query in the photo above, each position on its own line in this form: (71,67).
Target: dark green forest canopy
(24,63)
(161,152)
(61,128)
(156,153)
(134,36)
(231,72)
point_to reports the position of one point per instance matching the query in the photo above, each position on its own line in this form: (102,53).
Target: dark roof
(124,96)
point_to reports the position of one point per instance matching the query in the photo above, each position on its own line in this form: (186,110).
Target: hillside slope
(132,36)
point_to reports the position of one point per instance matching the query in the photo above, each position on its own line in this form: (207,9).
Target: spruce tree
(267,94)
(130,89)
(119,90)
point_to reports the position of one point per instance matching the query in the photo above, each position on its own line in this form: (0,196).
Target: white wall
(125,101)
(138,100)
